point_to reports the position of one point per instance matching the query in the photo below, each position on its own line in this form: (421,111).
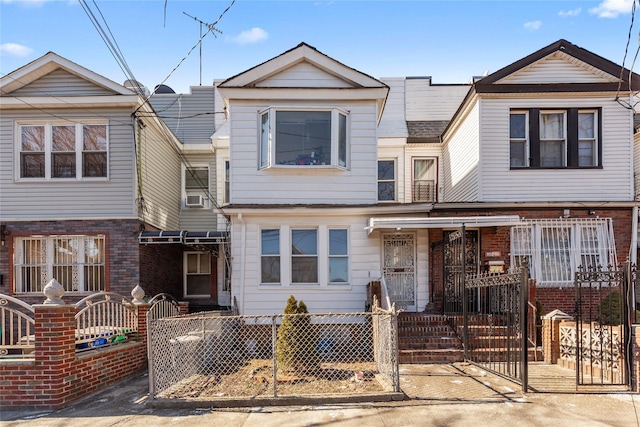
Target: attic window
(303,138)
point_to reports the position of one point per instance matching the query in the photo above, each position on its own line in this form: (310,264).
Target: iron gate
(460,259)
(496,330)
(602,341)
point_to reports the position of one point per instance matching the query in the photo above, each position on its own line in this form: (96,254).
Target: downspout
(633,253)
(243,246)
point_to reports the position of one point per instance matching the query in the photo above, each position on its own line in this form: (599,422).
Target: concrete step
(431,356)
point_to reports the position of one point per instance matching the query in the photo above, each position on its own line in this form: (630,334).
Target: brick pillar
(55,351)
(183,307)
(551,335)
(142,321)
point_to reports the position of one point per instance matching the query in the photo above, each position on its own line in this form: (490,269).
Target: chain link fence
(204,356)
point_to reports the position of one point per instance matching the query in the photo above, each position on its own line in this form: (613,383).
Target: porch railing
(17,339)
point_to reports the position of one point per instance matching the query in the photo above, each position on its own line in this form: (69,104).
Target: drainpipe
(243,246)
(634,246)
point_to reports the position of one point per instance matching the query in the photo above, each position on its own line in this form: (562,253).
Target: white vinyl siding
(303,74)
(557,68)
(309,185)
(428,101)
(501,183)
(364,259)
(462,156)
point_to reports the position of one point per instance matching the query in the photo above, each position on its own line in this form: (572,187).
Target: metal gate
(496,333)
(399,269)
(459,260)
(603,326)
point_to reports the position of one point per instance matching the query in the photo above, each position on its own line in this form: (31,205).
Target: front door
(399,269)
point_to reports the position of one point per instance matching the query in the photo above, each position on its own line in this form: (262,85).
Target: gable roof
(301,53)
(614,76)
(50,62)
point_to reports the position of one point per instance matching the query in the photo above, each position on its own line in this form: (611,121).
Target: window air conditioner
(195,201)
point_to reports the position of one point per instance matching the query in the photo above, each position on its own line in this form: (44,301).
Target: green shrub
(295,344)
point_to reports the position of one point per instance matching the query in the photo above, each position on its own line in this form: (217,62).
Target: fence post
(274,338)
(524,329)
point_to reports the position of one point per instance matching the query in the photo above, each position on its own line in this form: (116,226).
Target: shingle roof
(426,131)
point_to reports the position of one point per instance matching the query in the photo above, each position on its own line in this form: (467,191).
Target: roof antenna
(213,31)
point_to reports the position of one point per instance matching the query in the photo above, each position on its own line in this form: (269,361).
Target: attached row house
(302,176)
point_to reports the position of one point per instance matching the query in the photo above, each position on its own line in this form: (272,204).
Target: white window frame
(277,255)
(336,256)
(315,255)
(340,141)
(226,182)
(524,141)
(204,192)
(186,273)
(47,261)
(48,150)
(562,139)
(394,180)
(431,197)
(593,141)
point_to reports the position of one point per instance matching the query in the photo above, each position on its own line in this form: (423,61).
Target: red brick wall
(122,272)
(59,376)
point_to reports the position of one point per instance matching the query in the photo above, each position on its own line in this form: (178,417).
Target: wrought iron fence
(215,357)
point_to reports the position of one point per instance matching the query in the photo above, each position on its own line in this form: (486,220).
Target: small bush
(296,343)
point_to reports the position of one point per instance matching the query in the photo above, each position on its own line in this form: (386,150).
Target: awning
(442,222)
(182,237)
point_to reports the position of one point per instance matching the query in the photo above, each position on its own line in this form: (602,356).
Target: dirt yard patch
(255,379)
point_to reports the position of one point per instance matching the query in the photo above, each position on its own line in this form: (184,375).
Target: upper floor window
(196,186)
(555,138)
(76,262)
(424,180)
(227,186)
(303,138)
(386,180)
(63,150)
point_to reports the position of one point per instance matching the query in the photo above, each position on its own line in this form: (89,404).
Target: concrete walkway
(459,394)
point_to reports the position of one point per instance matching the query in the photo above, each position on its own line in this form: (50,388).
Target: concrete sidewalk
(437,395)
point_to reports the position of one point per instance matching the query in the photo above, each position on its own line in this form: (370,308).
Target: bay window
(303,138)
(62,150)
(304,256)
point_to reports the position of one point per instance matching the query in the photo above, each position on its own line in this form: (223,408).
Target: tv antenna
(211,29)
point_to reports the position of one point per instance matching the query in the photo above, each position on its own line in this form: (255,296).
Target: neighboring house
(86,165)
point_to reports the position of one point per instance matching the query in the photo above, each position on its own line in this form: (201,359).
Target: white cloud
(533,25)
(14,49)
(573,12)
(253,35)
(612,8)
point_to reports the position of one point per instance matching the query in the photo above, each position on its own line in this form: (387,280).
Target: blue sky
(448,40)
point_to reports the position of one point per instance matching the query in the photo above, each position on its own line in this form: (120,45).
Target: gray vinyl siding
(202,219)
(393,123)
(432,102)
(61,83)
(304,184)
(460,161)
(160,178)
(190,116)
(76,199)
(613,182)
